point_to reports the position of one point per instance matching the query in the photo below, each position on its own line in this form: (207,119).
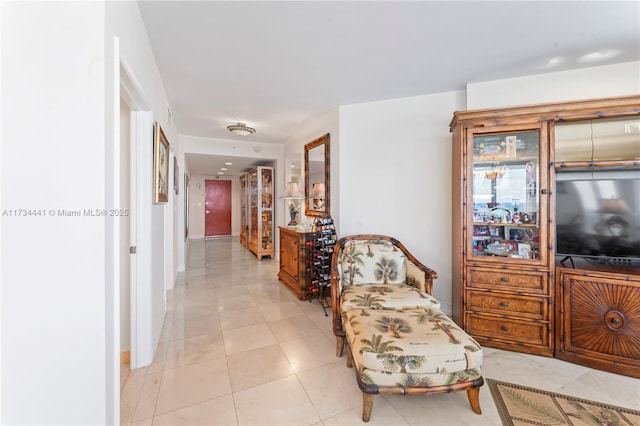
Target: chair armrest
(336,290)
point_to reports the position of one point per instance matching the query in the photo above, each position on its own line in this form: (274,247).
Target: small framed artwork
(160,165)
(524,250)
(477,217)
(513,246)
(186,206)
(176,174)
(481,231)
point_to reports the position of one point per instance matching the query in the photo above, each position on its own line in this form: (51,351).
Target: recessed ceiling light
(228,164)
(553,62)
(220,173)
(601,55)
(223,168)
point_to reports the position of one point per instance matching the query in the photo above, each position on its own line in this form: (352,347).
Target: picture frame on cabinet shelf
(524,250)
(513,246)
(481,231)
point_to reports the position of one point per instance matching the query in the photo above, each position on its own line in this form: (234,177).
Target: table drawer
(504,279)
(514,331)
(506,304)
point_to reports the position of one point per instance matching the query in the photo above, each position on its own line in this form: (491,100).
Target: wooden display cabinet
(505,295)
(244,210)
(261,212)
(504,284)
(293,261)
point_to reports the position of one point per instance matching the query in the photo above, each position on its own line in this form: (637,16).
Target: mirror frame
(308,210)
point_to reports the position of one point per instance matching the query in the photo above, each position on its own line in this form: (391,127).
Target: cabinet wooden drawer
(506,304)
(504,279)
(516,331)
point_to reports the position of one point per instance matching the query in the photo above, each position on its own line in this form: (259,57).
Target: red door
(217,208)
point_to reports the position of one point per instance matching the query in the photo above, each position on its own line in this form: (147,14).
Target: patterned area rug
(520,405)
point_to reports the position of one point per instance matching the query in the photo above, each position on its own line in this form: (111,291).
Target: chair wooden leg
(474,399)
(367,406)
(339,346)
(349,359)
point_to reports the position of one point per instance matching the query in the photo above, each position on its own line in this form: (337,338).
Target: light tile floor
(237,347)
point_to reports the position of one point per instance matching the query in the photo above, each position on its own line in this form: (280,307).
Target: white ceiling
(274,65)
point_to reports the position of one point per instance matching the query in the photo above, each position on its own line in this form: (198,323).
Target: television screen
(598,218)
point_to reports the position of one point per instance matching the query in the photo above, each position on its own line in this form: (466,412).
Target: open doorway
(125,232)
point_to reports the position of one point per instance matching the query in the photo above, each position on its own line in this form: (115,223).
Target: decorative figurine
(293,212)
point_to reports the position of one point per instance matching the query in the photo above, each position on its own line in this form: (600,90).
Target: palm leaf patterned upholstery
(411,347)
(398,338)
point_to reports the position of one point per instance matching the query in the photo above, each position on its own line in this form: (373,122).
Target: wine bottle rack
(320,250)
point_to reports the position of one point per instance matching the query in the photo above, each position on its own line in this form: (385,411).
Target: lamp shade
(292,191)
(317,191)
(615,206)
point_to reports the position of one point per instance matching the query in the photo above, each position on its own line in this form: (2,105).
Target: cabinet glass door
(253,202)
(266,200)
(507,219)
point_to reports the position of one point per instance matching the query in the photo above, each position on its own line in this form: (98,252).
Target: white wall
(587,83)
(60,278)
(178,214)
(53,267)
(123,20)
(395,176)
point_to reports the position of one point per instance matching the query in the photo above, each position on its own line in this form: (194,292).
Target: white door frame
(142,350)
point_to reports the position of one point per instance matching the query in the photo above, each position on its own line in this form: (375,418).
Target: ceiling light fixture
(241,129)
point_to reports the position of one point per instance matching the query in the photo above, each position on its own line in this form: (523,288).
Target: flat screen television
(598,218)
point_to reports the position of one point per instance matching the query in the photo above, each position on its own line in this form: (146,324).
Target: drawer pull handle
(504,279)
(504,328)
(504,304)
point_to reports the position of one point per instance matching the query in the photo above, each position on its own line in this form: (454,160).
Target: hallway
(237,347)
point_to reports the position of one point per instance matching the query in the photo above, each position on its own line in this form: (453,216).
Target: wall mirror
(316,176)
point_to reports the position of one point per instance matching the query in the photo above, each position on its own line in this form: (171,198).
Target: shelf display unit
(504,298)
(320,245)
(244,210)
(261,212)
(509,287)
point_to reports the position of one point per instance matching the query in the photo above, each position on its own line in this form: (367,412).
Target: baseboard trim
(125,357)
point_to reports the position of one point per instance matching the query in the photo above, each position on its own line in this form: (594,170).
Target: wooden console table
(293,261)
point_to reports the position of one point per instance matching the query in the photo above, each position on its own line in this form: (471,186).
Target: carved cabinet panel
(599,320)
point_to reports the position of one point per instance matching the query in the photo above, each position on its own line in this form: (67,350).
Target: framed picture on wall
(160,165)
(176,174)
(186,206)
